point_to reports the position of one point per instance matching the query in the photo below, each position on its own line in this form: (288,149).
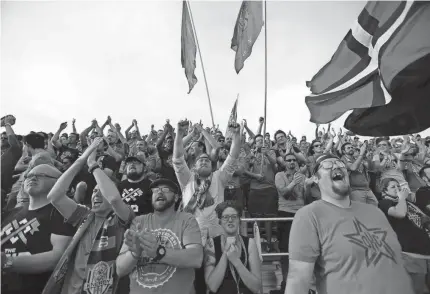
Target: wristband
(93,168)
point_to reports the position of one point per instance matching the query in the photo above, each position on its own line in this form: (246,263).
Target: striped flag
(232,118)
(188,47)
(383,55)
(248,26)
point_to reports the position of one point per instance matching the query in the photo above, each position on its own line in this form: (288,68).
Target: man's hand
(63,126)
(261,120)
(26,159)
(363,149)
(73,121)
(90,152)
(234,128)
(109,120)
(259,177)
(183,126)
(8,120)
(118,127)
(149,243)
(131,239)
(134,122)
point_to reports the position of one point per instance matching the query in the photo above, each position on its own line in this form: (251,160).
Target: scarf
(201,197)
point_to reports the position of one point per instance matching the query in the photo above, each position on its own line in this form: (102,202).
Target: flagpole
(201,61)
(265,86)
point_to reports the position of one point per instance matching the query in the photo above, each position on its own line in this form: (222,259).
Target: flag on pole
(248,26)
(188,47)
(381,69)
(233,118)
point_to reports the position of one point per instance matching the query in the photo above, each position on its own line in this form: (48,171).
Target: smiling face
(332,178)
(230,221)
(163,197)
(383,146)
(98,203)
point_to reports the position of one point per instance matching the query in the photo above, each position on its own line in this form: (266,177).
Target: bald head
(40,180)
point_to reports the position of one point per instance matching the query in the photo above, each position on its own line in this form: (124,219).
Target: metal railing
(265,219)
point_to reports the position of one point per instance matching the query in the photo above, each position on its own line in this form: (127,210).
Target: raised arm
(55,139)
(74,126)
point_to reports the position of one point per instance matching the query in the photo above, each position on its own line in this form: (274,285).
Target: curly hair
(226,204)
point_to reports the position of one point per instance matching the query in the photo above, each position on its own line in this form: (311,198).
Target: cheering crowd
(107,211)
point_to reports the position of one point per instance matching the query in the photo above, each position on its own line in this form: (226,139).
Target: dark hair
(385,182)
(311,147)
(279,132)
(379,140)
(200,144)
(219,209)
(76,134)
(421,173)
(36,141)
(344,145)
(258,135)
(45,135)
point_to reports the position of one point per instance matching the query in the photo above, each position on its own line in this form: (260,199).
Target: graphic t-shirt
(412,236)
(28,232)
(355,250)
(161,278)
(137,195)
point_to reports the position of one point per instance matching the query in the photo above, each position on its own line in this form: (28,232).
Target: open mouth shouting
(97,201)
(337,175)
(160,199)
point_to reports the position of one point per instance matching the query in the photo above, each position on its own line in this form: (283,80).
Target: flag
(248,26)
(232,119)
(188,47)
(381,70)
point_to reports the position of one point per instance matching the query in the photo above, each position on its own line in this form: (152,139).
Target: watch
(161,252)
(93,168)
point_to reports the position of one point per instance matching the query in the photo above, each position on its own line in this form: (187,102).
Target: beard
(342,190)
(134,175)
(167,204)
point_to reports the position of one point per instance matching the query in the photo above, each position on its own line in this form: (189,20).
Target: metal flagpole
(201,61)
(265,85)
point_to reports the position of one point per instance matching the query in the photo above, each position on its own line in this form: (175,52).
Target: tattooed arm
(214,273)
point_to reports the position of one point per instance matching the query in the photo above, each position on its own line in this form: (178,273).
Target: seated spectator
(232,261)
(161,250)
(88,263)
(33,238)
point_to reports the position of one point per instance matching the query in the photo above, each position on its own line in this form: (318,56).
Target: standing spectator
(349,245)
(88,263)
(412,226)
(290,186)
(33,238)
(358,177)
(165,152)
(232,261)
(161,249)
(135,189)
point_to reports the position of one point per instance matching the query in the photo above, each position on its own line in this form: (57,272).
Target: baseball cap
(167,182)
(134,158)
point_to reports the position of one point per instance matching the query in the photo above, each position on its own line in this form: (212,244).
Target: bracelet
(134,256)
(93,168)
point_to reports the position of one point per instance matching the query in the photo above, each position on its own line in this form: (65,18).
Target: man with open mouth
(350,246)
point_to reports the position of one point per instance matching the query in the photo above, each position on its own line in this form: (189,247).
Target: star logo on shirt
(372,241)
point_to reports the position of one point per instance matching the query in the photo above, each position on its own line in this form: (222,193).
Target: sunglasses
(233,217)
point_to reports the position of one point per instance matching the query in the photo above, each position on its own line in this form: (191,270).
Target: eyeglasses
(232,217)
(317,145)
(38,176)
(330,164)
(161,190)
(291,160)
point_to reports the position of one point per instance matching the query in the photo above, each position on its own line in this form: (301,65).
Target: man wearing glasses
(161,250)
(34,238)
(349,245)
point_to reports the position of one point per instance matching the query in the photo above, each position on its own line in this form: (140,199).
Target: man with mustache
(350,246)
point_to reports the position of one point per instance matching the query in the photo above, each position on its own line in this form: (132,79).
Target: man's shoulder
(184,216)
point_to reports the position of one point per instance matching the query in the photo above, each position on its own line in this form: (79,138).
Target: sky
(89,59)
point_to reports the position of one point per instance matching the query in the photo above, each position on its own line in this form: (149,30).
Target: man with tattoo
(349,246)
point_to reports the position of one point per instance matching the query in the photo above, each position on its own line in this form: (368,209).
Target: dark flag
(188,47)
(381,70)
(248,26)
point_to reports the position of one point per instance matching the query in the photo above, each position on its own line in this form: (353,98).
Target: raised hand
(261,120)
(183,126)
(73,121)
(134,122)
(234,128)
(63,126)
(109,119)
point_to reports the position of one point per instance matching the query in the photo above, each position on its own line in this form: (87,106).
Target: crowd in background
(58,185)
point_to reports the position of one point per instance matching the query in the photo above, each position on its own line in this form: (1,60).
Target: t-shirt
(295,199)
(267,171)
(358,178)
(137,195)
(409,229)
(159,277)
(355,250)
(28,232)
